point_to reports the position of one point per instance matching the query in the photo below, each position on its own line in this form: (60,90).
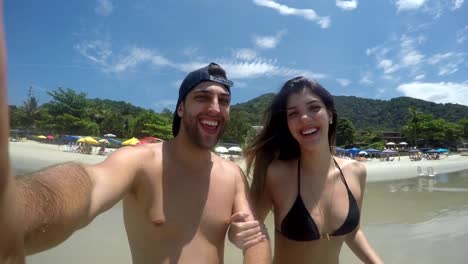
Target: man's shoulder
(137,154)
(224,164)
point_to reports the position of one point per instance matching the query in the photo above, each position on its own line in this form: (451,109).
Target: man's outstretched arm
(11,238)
(64,198)
(258,252)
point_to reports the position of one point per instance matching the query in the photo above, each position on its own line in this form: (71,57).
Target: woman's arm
(357,240)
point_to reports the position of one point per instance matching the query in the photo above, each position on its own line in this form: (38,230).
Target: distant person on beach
(179,198)
(316,197)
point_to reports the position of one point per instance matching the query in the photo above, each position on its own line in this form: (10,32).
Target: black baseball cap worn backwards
(191,81)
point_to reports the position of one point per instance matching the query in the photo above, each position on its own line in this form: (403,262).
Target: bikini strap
(341,174)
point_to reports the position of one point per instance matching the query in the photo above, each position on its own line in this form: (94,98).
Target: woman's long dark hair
(275,140)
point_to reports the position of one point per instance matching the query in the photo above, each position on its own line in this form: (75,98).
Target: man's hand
(244,234)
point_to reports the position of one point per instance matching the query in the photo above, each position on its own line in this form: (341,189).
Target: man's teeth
(309,131)
(210,122)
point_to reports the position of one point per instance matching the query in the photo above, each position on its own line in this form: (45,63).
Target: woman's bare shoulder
(353,169)
(278,168)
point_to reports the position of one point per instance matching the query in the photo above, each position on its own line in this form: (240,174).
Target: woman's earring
(331,122)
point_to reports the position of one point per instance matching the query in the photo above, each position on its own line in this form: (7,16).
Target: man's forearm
(55,202)
(259,253)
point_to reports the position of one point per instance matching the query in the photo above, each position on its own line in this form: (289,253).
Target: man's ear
(180,109)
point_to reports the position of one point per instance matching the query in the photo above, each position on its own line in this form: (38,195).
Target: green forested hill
(366,113)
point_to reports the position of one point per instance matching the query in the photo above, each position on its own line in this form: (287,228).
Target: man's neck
(188,153)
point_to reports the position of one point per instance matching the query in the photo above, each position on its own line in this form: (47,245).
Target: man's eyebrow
(226,94)
(308,103)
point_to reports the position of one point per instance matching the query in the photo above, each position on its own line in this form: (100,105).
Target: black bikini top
(300,226)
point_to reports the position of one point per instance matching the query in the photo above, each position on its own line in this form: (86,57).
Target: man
(11,236)
(178,196)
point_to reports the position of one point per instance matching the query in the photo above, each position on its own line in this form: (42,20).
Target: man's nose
(214,106)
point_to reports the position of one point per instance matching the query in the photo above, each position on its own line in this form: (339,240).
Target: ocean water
(419,220)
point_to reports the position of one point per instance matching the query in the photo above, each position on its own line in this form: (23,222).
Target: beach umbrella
(390,143)
(221,150)
(388,151)
(338,149)
(42,137)
(50,137)
(131,142)
(403,143)
(104,140)
(354,150)
(433,151)
(235,149)
(414,150)
(110,135)
(69,138)
(149,140)
(88,140)
(114,141)
(362,153)
(442,150)
(371,150)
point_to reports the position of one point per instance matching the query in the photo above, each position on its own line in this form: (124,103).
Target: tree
(237,128)
(464,123)
(345,132)
(28,114)
(69,113)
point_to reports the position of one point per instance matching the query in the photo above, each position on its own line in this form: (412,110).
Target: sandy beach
(31,155)
(397,202)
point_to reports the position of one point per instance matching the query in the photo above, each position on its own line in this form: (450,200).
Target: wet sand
(406,219)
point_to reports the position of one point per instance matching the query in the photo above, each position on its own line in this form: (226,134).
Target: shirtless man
(178,196)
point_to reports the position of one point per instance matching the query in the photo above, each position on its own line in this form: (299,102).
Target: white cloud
(244,65)
(412,58)
(98,51)
(462,34)
(419,77)
(388,66)
(457,4)
(366,78)
(104,7)
(253,69)
(189,51)
(285,10)
(137,56)
(443,92)
(343,82)
(245,54)
(347,5)
(448,62)
(409,4)
(269,42)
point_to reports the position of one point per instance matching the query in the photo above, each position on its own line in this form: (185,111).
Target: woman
(316,198)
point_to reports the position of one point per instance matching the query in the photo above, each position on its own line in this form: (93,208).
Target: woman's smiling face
(308,118)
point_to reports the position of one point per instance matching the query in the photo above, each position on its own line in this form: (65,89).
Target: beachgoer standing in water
(179,198)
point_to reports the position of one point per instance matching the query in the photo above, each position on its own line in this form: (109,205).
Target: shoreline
(31,156)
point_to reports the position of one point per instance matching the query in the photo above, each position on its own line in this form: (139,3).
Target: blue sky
(139,51)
